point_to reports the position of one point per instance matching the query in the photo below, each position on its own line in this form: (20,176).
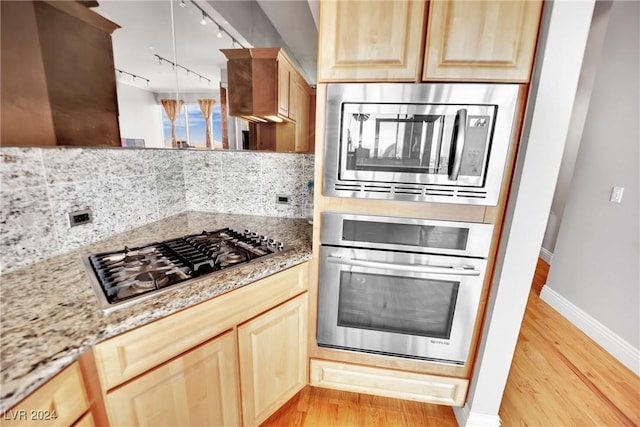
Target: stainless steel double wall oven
(409,287)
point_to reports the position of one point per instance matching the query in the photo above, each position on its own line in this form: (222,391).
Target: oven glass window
(424,236)
(403,305)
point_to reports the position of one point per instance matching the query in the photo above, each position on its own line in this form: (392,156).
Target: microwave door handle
(458,144)
(430,269)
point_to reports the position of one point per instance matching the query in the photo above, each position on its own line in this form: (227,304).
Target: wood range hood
(262,84)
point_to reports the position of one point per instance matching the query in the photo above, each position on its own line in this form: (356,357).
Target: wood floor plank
(559,378)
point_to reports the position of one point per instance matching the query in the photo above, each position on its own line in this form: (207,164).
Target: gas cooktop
(124,277)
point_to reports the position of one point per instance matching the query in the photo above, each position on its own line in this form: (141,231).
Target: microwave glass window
(425,236)
(394,138)
(403,305)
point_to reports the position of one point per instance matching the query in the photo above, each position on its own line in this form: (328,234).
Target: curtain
(172,107)
(206,106)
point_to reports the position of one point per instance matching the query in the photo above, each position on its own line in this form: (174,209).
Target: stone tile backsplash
(126,188)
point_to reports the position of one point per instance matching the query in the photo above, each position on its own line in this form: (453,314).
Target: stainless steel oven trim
(479,239)
(503,95)
(454,350)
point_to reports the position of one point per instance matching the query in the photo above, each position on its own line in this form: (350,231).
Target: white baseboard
(605,337)
(466,418)
(546,255)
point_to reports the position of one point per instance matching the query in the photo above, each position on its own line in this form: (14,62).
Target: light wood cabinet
(198,388)
(57,75)
(183,369)
(370,40)
(266,89)
(300,109)
(59,402)
(387,382)
(273,359)
(462,40)
(259,84)
(481,40)
(284,83)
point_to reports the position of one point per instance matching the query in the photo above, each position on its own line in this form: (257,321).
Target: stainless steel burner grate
(122,278)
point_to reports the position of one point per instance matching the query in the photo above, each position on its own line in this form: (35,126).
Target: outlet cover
(80,217)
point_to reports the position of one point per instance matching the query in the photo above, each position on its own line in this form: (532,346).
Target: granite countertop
(49,313)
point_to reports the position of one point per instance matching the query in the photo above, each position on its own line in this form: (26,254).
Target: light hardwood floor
(559,377)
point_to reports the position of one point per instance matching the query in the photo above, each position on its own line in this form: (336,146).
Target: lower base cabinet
(273,359)
(198,388)
(62,401)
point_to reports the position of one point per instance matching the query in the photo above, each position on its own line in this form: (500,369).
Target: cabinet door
(481,40)
(283,88)
(273,359)
(59,402)
(198,388)
(302,120)
(370,40)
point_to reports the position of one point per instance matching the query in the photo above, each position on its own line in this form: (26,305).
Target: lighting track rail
(221,29)
(174,64)
(134,76)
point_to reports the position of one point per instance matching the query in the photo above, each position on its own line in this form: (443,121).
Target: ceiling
(146,31)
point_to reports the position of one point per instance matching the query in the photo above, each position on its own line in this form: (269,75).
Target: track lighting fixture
(221,31)
(174,65)
(133,76)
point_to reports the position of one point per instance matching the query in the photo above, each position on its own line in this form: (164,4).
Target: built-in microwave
(419,142)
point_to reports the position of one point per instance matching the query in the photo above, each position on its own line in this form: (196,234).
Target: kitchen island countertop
(49,314)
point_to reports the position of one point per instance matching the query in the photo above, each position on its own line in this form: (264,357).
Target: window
(190,126)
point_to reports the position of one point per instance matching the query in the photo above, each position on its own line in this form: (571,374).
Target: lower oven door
(397,303)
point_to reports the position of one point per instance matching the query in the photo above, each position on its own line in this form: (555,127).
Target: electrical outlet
(283,199)
(80,217)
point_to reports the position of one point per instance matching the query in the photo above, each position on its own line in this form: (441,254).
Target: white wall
(564,33)
(595,267)
(581,105)
(140,116)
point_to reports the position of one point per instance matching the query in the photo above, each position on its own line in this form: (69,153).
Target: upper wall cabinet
(370,40)
(260,81)
(481,40)
(58,79)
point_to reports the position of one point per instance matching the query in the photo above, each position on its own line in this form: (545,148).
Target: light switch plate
(616,194)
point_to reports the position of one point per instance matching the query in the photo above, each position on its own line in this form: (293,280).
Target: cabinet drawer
(59,402)
(132,353)
(389,383)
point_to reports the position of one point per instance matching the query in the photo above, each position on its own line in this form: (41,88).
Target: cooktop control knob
(247,232)
(272,242)
(280,245)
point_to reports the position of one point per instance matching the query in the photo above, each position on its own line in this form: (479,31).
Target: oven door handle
(458,144)
(430,269)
